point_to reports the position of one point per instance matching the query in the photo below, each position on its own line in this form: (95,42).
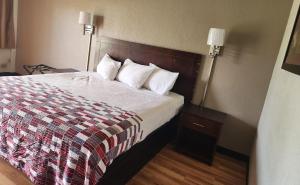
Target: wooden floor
(167,168)
(11,176)
(171,168)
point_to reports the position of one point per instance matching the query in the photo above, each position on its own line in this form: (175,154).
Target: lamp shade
(216,37)
(85,18)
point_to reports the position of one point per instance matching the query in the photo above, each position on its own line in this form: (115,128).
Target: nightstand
(198,132)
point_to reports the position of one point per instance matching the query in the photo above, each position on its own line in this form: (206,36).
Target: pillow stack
(136,75)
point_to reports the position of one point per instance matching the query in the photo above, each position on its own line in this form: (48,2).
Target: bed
(66,108)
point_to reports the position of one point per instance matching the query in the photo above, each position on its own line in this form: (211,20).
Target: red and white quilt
(55,137)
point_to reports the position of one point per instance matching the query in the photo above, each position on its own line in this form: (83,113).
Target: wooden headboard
(187,64)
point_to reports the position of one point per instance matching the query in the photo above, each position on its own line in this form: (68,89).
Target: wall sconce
(216,38)
(85,19)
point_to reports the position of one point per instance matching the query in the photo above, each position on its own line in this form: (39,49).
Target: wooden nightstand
(198,132)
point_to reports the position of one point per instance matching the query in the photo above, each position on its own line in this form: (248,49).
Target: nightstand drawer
(200,124)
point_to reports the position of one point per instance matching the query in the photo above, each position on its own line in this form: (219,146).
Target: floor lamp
(215,39)
(85,19)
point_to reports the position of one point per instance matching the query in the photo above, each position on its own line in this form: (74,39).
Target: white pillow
(108,68)
(134,74)
(161,81)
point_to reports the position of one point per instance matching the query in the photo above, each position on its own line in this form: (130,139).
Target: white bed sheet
(154,109)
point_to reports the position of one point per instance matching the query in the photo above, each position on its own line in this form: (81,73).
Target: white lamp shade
(216,37)
(85,18)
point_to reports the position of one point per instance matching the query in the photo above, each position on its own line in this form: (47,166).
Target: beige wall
(4,60)
(49,34)
(278,143)
(7,56)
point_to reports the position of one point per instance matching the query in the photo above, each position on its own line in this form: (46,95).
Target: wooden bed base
(129,163)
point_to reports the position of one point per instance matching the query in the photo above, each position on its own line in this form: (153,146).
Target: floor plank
(170,167)
(11,176)
(167,168)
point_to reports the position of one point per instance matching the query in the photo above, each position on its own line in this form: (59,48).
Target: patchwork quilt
(55,137)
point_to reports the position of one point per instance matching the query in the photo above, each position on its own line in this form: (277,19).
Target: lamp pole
(89,53)
(211,68)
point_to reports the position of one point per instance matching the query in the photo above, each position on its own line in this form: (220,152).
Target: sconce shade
(85,18)
(216,37)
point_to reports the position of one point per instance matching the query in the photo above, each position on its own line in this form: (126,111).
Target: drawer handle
(199,125)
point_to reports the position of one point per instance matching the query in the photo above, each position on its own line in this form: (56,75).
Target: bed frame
(187,64)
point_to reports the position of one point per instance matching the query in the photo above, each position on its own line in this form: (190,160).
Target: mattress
(154,109)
